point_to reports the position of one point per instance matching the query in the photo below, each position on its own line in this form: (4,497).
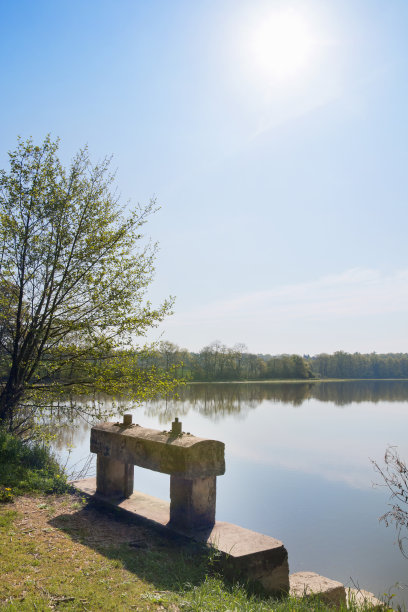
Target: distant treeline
(359,365)
(217,362)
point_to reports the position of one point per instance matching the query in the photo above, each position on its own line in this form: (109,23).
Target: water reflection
(356,391)
(218,400)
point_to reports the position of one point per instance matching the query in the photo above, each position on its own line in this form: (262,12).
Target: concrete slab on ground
(362,598)
(244,554)
(306,584)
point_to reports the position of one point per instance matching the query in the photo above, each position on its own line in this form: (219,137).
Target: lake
(297,468)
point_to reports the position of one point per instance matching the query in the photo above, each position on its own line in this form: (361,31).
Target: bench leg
(114,478)
(192,502)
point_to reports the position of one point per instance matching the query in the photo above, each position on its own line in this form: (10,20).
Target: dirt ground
(41,516)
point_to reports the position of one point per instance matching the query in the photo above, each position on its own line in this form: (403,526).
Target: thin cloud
(355,292)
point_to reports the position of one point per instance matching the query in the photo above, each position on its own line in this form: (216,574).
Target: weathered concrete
(192,502)
(193,464)
(364,599)
(114,477)
(304,584)
(244,554)
(181,455)
(251,557)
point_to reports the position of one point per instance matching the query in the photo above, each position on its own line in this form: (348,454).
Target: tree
(72,284)
(170,353)
(239,351)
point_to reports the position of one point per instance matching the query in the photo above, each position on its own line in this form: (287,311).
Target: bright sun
(282,45)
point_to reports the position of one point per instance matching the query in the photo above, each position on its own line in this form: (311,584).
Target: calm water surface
(297,468)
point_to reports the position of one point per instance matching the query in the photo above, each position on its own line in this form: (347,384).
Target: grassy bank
(59,552)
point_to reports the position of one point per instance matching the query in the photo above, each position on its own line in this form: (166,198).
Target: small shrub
(28,467)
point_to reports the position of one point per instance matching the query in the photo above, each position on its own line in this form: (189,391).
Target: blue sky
(280,169)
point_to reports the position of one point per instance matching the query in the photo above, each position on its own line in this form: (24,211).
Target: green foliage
(217,362)
(28,467)
(73,280)
(359,365)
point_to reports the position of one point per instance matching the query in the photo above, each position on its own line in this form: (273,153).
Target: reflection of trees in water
(71,425)
(71,433)
(355,391)
(166,410)
(232,398)
(214,401)
(219,400)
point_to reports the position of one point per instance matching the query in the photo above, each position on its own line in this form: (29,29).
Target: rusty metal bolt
(176,427)
(127,420)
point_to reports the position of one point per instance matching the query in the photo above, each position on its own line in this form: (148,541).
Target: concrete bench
(192,463)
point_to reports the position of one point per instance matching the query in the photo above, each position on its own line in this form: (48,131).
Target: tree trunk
(9,398)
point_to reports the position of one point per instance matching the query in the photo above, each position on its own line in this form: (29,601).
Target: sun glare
(282,46)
